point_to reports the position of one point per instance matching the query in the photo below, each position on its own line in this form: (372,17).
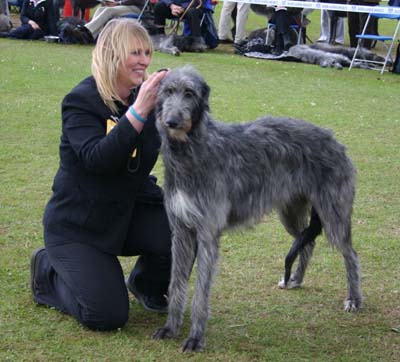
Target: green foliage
(252,320)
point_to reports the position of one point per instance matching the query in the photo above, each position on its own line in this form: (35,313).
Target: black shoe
(86,34)
(34,263)
(78,34)
(152,304)
(4,34)
(225,41)
(240,43)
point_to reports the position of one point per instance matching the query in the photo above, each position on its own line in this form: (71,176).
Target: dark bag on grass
(396,64)
(209,31)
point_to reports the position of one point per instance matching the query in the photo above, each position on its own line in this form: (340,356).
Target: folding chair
(378,38)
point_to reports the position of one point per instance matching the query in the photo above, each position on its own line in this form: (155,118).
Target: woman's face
(132,71)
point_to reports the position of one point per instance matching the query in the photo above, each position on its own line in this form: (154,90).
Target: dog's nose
(171,123)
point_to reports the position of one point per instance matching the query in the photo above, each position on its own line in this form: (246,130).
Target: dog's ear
(205,92)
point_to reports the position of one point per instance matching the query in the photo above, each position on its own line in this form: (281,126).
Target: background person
(109,10)
(224,24)
(191,11)
(38,19)
(326,28)
(283,18)
(104,202)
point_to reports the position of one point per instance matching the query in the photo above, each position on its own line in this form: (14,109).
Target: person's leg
(340,30)
(354,28)
(37,34)
(161,13)
(241,20)
(325,26)
(371,28)
(224,24)
(82,281)
(283,20)
(104,14)
(22,32)
(150,237)
(193,18)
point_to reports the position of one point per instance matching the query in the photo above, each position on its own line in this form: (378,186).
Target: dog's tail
(308,235)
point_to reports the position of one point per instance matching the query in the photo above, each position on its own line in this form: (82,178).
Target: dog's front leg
(207,258)
(183,255)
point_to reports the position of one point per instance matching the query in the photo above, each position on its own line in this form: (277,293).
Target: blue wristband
(134,114)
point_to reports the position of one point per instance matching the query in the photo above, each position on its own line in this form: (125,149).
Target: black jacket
(98,180)
(43,14)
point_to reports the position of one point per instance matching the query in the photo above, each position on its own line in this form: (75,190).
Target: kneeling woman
(105,203)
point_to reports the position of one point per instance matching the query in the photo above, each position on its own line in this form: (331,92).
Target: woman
(38,19)
(104,202)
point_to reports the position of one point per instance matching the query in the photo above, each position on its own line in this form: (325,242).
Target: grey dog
(219,176)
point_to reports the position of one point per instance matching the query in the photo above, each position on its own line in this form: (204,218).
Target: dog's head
(181,103)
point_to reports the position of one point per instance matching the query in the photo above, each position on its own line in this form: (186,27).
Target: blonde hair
(112,49)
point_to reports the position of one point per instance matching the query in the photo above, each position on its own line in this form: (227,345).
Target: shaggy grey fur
(176,44)
(219,176)
(5,22)
(323,54)
(327,55)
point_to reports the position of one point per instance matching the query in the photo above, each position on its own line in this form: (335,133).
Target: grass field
(252,320)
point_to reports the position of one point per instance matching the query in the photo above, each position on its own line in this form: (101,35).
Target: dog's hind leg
(339,234)
(335,209)
(306,237)
(183,255)
(207,258)
(294,218)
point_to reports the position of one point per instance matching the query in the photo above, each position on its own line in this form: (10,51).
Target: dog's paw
(193,345)
(291,284)
(352,305)
(282,284)
(175,51)
(163,333)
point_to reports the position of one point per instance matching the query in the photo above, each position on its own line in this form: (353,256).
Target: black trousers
(193,17)
(356,23)
(25,31)
(282,19)
(89,284)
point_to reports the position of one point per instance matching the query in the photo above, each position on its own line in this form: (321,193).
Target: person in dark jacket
(105,203)
(191,11)
(38,19)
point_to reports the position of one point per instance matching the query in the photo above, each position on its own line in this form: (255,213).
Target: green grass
(252,320)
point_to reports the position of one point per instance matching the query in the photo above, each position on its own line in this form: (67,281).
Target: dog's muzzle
(172,123)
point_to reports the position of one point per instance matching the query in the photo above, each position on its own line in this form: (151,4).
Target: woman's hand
(146,99)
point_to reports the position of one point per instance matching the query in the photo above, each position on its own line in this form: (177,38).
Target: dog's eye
(188,94)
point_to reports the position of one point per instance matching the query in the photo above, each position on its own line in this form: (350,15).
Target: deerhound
(220,175)
(176,44)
